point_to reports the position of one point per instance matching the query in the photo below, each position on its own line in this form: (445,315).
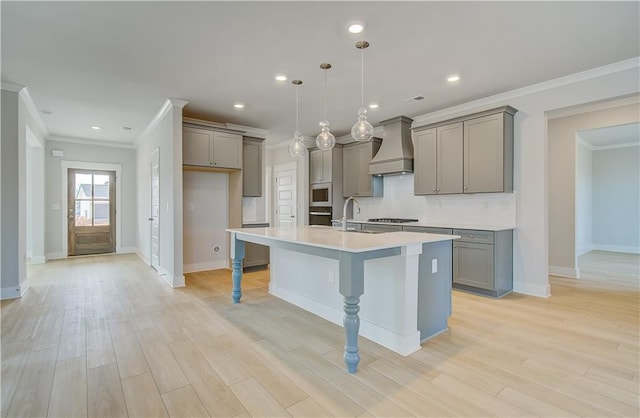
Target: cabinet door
(315,167)
(484,154)
(449,150)
(251,169)
(364,183)
(473,265)
(227,150)
(196,147)
(349,171)
(424,163)
(327,163)
(381,227)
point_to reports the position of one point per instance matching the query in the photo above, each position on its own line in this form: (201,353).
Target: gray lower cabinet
(252,167)
(483,261)
(381,227)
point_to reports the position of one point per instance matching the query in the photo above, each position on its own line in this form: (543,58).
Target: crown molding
(35,114)
(91,142)
(633,99)
(12,87)
(249,130)
(166,106)
(178,102)
(585,143)
(616,67)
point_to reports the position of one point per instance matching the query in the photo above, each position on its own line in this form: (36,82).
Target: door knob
(151,219)
(292,216)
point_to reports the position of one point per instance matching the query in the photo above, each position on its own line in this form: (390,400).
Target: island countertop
(335,239)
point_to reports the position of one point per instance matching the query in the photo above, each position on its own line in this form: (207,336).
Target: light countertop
(451,225)
(335,239)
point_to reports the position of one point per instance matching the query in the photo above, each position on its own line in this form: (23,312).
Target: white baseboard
(55,256)
(583,250)
(539,290)
(143,258)
(126,250)
(616,248)
(173,281)
(10,293)
(573,273)
(210,265)
(38,260)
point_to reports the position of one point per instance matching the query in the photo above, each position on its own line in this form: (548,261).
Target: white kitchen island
(393,288)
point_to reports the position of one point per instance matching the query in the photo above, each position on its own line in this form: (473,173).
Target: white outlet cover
(434,265)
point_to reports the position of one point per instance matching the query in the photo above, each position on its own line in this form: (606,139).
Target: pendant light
(362,130)
(325,139)
(297,148)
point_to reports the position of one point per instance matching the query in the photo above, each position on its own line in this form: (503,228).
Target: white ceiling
(114,63)
(612,135)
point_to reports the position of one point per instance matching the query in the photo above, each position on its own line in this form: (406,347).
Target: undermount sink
(365,231)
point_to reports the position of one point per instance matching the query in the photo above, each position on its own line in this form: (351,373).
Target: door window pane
(100,186)
(101,213)
(83,186)
(84,213)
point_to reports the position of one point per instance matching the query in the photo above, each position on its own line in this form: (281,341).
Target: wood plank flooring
(104,336)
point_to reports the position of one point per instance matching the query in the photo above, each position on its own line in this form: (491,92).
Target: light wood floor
(103,336)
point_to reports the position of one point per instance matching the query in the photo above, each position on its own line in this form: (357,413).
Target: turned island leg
(351,287)
(237,254)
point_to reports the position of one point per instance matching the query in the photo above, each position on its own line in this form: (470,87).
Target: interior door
(92,209)
(285,198)
(154,217)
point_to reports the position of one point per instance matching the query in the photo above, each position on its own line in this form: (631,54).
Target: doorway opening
(91,212)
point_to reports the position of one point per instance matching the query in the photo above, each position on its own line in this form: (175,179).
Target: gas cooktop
(391,220)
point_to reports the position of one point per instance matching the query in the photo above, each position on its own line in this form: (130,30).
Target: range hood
(395,155)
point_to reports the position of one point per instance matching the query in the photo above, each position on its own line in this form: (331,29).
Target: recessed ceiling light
(238,106)
(355,26)
(453,78)
(373,106)
(96,127)
(281,77)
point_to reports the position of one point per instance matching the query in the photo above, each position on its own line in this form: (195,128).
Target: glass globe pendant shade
(297,148)
(362,130)
(325,139)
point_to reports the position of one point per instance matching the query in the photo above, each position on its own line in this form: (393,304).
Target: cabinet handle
(438,190)
(434,190)
(466,188)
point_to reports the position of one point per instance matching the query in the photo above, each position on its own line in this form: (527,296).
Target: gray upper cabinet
(470,154)
(208,148)
(438,152)
(252,167)
(356,180)
(486,151)
(196,147)
(320,166)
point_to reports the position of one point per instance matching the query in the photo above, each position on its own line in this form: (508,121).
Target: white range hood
(395,155)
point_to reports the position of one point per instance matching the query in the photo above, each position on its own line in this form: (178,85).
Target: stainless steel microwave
(320,194)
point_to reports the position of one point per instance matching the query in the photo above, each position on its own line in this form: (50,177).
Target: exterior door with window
(91,212)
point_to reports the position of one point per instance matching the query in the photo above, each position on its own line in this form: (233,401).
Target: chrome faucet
(344,211)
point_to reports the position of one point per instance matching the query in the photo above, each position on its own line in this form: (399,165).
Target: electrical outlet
(434,265)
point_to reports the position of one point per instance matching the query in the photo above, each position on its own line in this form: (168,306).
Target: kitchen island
(397,283)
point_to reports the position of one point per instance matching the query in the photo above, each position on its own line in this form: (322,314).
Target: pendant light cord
(297,129)
(362,78)
(325,94)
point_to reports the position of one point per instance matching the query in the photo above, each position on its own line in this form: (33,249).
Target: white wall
(20,126)
(616,199)
(205,220)
(75,153)
(399,201)
(164,133)
(562,174)
(584,200)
